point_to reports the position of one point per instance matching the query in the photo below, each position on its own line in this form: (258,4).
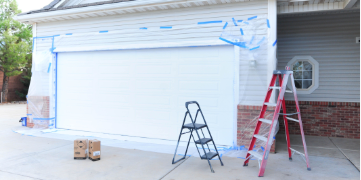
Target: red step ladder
(273,123)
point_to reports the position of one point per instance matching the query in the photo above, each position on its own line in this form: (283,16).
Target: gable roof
(50,7)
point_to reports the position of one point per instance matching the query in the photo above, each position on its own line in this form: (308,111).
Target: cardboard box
(80,148)
(94,150)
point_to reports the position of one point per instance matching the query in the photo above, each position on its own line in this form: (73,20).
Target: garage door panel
(143,92)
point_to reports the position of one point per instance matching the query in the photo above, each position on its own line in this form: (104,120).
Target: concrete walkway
(27,157)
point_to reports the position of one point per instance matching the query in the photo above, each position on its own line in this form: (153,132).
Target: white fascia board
(105,7)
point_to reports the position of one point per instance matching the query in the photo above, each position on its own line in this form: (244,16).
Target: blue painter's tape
(56,35)
(234,21)
(261,41)
(262,148)
(210,22)
(166,27)
(69,34)
(143,28)
(241,31)
(49,67)
(254,17)
(28,114)
(268,24)
(245,22)
(251,40)
(43,118)
(183,155)
(239,20)
(240,44)
(103,31)
(225,25)
(254,48)
(274,43)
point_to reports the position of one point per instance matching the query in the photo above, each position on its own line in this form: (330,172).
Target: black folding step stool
(202,141)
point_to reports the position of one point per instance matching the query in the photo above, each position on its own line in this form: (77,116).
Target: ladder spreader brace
(280,103)
(202,141)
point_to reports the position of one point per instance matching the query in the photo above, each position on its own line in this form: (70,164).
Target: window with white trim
(305,72)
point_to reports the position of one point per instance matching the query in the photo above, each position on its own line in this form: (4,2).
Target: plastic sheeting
(41,94)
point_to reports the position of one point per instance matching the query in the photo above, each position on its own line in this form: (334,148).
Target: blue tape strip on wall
(268,25)
(245,22)
(43,118)
(103,31)
(166,27)
(275,43)
(210,22)
(254,48)
(240,21)
(143,28)
(254,17)
(251,40)
(225,25)
(234,22)
(49,67)
(241,31)
(69,34)
(261,41)
(240,44)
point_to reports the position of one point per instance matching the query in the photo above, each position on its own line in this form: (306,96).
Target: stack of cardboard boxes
(81,149)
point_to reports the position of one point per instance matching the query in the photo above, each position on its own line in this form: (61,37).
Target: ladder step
(270,104)
(262,138)
(210,155)
(198,126)
(292,119)
(255,154)
(277,87)
(203,141)
(266,121)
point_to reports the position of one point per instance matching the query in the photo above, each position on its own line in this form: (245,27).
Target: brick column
(246,123)
(38,107)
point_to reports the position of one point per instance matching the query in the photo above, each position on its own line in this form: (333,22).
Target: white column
(272,37)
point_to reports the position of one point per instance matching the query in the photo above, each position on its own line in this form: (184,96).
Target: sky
(28,5)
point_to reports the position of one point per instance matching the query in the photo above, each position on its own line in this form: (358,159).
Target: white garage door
(142,92)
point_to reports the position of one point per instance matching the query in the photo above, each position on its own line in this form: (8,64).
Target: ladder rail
(199,110)
(209,132)
(180,134)
(261,115)
(285,120)
(195,128)
(300,123)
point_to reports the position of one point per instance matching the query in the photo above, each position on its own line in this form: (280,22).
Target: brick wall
(14,85)
(247,117)
(38,107)
(332,119)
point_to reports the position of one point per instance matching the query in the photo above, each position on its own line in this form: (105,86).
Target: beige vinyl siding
(331,40)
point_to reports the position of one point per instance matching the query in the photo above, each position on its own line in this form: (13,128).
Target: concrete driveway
(28,157)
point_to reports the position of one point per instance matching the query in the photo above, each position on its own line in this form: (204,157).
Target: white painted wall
(331,40)
(253,82)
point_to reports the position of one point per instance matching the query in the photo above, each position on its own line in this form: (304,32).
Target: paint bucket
(23,121)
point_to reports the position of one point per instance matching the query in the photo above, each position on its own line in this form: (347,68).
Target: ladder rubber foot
(212,171)
(309,169)
(245,164)
(290,159)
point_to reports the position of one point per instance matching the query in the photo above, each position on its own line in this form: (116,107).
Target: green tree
(15,43)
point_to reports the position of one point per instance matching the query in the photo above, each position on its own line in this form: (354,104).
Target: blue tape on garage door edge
(268,25)
(210,22)
(254,48)
(103,31)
